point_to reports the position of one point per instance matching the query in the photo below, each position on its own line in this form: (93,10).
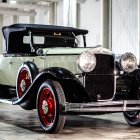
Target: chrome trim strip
(105,109)
(110,106)
(124,107)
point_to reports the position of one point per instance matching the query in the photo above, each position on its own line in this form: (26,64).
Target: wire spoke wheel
(26,74)
(47,107)
(23,82)
(49,103)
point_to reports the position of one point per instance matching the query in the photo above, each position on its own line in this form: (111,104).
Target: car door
(9,67)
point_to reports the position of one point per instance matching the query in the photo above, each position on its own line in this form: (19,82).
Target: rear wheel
(26,74)
(24,81)
(50,102)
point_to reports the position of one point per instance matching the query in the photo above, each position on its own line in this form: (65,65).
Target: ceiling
(23,7)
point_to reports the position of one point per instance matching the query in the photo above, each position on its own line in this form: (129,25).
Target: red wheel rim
(24,81)
(47,106)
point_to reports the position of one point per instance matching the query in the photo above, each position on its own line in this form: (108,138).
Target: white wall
(59,20)
(1,34)
(8,20)
(41,16)
(125,18)
(125,28)
(23,19)
(90,18)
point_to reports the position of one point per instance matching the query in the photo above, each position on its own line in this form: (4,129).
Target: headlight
(87,61)
(128,62)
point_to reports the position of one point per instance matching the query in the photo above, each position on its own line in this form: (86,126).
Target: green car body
(55,57)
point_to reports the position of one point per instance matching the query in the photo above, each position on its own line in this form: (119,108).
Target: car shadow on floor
(74,124)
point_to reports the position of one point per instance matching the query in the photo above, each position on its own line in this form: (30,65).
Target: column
(31,18)
(1,35)
(106,37)
(51,14)
(15,18)
(69,14)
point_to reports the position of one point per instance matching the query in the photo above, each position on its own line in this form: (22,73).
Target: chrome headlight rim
(126,69)
(79,65)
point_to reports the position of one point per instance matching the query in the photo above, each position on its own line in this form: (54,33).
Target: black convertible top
(41,28)
(13,34)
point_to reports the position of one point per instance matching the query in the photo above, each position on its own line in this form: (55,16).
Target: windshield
(52,40)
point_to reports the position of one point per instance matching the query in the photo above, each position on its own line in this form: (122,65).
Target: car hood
(95,50)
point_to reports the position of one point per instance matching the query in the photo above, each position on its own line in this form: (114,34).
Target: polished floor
(19,124)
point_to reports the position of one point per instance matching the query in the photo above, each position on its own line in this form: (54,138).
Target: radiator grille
(100,82)
(104,65)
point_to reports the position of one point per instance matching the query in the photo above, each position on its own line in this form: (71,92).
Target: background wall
(125,26)
(41,16)
(90,18)
(113,24)
(59,20)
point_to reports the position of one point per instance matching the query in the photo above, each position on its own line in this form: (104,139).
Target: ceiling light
(13,1)
(43,2)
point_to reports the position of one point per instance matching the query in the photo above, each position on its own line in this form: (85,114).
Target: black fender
(134,92)
(32,68)
(128,86)
(73,89)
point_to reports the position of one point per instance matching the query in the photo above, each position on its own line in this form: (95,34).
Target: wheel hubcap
(45,107)
(23,85)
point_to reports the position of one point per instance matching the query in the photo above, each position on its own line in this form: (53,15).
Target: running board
(94,107)
(102,107)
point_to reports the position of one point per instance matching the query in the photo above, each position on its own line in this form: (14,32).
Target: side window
(26,40)
(36,40)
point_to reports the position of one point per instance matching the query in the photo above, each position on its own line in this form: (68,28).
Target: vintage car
(43,67)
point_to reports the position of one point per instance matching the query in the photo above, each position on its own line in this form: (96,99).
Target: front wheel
(50,102)
(132,118)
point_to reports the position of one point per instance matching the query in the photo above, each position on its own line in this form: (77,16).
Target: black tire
(50,102)
(132,118)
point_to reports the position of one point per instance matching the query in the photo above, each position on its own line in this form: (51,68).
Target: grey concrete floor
(19,124)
